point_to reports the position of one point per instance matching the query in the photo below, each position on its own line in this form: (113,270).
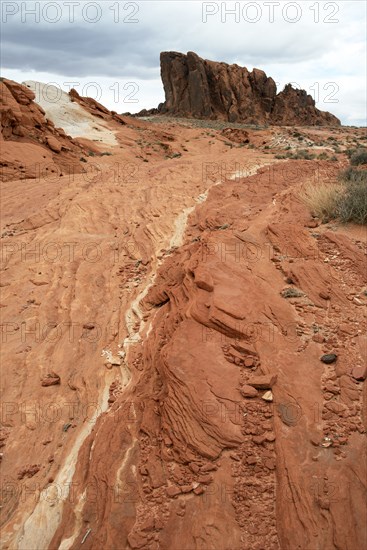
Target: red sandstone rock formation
(30,143)
(199,88)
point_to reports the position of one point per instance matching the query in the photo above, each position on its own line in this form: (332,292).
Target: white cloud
(331,50)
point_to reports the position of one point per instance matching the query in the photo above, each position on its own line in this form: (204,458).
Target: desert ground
(184,340)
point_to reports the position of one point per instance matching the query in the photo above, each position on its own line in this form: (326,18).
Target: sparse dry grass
(345,199)
(322,199)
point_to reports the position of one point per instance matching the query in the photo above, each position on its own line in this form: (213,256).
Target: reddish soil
(164,316)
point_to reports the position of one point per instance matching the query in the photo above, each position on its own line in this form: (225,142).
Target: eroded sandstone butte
(196,87)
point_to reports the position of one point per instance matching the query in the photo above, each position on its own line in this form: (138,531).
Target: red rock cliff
(199,88)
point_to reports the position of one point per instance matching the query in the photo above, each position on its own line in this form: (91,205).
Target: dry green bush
(352,206)
(322,199)
(345,200)
(359,157)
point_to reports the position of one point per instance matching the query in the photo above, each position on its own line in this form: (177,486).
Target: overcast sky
(110,50)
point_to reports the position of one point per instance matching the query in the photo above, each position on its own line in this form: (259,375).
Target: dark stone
(329,358)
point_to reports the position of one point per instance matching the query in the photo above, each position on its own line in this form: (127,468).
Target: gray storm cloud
(306,43)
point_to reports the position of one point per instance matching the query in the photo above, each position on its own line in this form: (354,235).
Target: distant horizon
(112,54)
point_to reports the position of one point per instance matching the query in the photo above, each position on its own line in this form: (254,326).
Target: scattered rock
(208,467)
(205,479)
(269,463)
(264,382)
(336,407)
(137,540)
(194,467)
(173,491)
(326,442)
(147,524)
(51,379)
(249,391)
(186,488)
(359,373)
(315,440)
(235,457)
(268,396)
(332,388)
(53,144)
(258,439)
(204,280)
(29,471)
(324,502)
(329,358)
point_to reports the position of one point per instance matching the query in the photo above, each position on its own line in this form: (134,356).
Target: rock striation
(95,108)
(198,88)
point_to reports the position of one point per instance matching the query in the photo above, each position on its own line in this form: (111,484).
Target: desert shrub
(322,199)
(353,175)
(359,157)
(292,292)
(303,154)
(352,204)
(345,200)
(323,156)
